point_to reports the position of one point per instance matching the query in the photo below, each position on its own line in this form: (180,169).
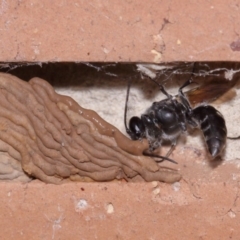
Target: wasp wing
(217,89)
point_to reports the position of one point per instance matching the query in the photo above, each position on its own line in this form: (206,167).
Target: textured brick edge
(149,31)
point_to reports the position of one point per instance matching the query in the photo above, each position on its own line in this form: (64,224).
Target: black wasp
(167,119)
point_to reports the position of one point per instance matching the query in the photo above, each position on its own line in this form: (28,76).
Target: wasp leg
(125,110)
(234,138)
(146,153)
(180,91)
(162,89)
(174,143)
(182,95)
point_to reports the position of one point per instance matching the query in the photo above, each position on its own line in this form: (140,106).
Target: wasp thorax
(166,117)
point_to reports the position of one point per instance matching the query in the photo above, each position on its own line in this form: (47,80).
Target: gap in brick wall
(102,87)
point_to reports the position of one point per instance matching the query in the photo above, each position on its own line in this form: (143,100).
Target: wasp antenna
(159,156)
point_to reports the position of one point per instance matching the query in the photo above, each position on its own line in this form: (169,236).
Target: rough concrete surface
(148,31)
(205,205)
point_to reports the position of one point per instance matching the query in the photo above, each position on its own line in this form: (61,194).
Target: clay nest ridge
(56,140)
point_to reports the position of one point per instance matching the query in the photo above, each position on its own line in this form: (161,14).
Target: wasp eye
(137,128)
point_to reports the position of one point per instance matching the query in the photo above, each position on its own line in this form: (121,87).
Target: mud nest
(50,137)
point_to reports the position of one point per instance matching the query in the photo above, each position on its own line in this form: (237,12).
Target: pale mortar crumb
(154,184)
(110,208)
(156,191)
(176,186)
(231,214)
(81,205)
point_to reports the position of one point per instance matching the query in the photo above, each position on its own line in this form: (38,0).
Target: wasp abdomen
(213,127)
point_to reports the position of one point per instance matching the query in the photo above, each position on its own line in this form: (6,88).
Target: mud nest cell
(50,137)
